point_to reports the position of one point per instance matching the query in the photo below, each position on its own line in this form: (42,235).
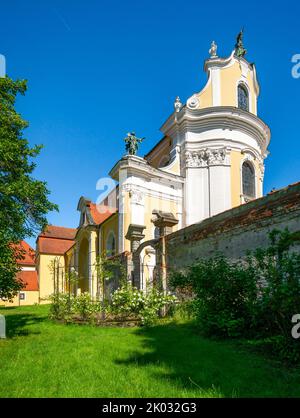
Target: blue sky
(98,69)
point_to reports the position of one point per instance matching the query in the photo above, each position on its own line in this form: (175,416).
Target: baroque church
(210,159)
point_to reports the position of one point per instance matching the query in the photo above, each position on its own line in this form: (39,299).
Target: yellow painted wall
(110,225)
(174,167)
(151,203)
(229,76)
(236,190)
(45,275)
(31,297)
(236,158)
(69,258)
(162,150)
(205,96)
(83,265)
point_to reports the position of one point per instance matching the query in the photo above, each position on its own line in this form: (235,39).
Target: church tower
(210,159)
(217,139)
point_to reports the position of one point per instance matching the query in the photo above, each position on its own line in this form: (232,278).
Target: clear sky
(98,69)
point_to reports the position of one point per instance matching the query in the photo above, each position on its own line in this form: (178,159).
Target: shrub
(225,295)
(61,307)
(65,306)
(255,297)
(84,306)
(129,300)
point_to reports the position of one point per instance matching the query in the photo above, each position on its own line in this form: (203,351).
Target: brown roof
(60,232)
(25,253)
(29,278)
(100,213)
(54,245)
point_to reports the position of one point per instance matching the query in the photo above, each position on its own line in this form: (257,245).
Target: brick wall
(237,230)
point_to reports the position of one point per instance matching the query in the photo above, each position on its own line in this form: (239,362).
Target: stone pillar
(164,221)
(92,261)
(135,235)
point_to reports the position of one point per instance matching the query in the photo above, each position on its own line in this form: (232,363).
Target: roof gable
(92,213)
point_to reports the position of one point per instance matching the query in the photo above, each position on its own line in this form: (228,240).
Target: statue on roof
(240,51)
(177,104)
(132,143)
(213,50)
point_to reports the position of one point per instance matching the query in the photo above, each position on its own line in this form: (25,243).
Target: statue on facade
(132,143)
(240,51)
(213,50)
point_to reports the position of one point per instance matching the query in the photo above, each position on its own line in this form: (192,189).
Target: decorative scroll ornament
(193,102)
(262,170)
(205,157)
(177,104)
(213,50)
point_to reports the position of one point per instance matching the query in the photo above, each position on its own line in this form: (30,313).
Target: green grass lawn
(45,359)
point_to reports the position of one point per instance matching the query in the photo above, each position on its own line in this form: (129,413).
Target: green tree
(23,200)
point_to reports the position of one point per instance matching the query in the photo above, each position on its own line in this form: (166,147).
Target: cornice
(225,117)
(141,167)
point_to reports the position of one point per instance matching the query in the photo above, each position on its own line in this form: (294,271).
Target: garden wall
(237,230)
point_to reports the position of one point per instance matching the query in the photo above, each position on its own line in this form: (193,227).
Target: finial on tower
(240,51)
(177,104)
(213,50)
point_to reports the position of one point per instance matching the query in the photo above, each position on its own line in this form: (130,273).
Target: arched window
(165,160)
(248,175)
(156,232)
(243,97)
(111,245)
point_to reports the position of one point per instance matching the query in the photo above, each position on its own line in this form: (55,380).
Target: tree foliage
(23,199)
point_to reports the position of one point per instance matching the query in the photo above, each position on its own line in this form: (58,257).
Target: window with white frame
(248,176)
(243,97)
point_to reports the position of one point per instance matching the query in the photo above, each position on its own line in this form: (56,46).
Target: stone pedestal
(135,235)
(164,221)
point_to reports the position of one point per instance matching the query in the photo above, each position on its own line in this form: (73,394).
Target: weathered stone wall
(237,230)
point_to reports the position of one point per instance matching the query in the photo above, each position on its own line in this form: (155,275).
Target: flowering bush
(65,306)
(129,300)
(61,306)
(84,306)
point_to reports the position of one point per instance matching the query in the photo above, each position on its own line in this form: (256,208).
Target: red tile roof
(54,245)
(25,253)
(100,213)
(61,232)
(29,278)
(56,240)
